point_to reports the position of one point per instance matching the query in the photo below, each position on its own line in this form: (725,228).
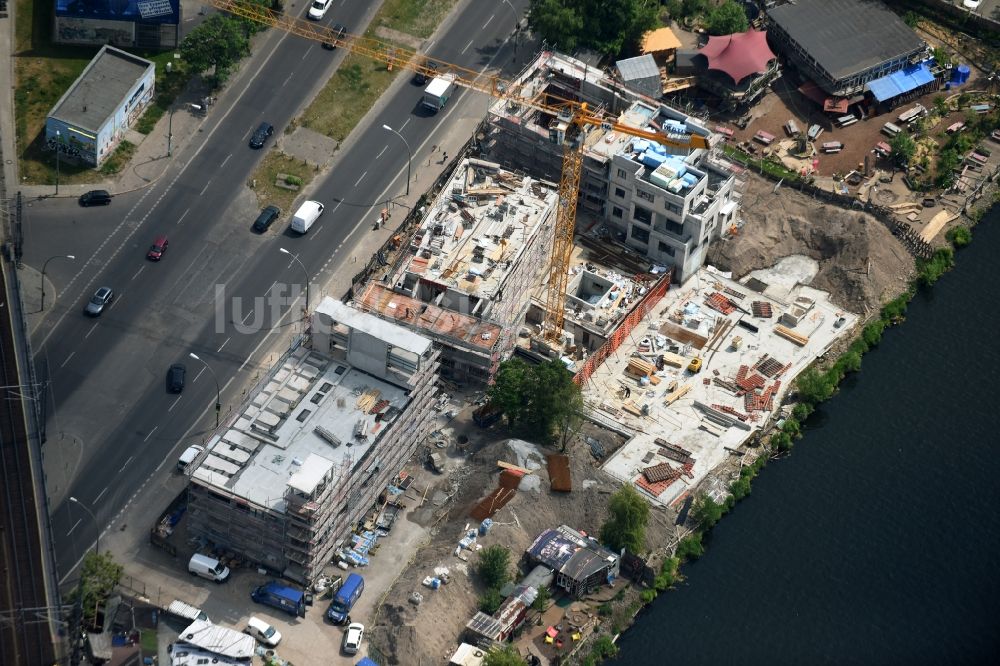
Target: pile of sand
(861,264)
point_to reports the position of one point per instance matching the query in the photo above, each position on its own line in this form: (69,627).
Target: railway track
(25,638)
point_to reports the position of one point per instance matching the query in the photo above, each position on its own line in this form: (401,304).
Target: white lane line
(184,214)
(225,160)
(198,375)
(318,232)
(146,438)
(382,152)
(101,495)
(488,21)
(206,187)
(249,314)
(175,403)
(403,126)
(141,269)
(91,330)
(223,345)
(125,465)
(67,359)
(360,179)
(467,46)
(336,207)
(74,526)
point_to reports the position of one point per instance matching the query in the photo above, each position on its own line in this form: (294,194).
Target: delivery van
(346,597)
(281,596)
(208,567)
(306,215)
(438,92)
(186,611)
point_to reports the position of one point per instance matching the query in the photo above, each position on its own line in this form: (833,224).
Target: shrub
(293,180)
(494,566)
(959,236)
(690,548)
(490,601)
(801,411)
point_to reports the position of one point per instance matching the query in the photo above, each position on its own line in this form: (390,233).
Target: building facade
(334,422)
(91,118)
(148,24)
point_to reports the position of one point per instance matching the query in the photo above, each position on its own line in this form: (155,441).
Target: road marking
(198,375)
(467,46)
(306,54)
(91,330)
(318,232)
(175,403)
(183,215)
(223,345)
(336,207)
(360,179)
(206,186)
(67,359)
(487,22)
(251,311)
(404,125)
(74,526)
(101,495)
(125,465)
(150,433)
(382,152)
(141,269)
(225,160)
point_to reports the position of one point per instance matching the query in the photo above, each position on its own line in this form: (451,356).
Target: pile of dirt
(861,264)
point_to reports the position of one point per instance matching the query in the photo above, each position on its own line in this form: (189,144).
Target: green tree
(903,148)
(674,9)
(814,387)
(707,512)
(726,19)
(503,655)
(690,547)
(490,601)
(99,576)
(541,602)
(606,27)
(626,526)
(494,566)
(541,402)
(959,236)
(948,161)
(941,105)
(691,8)
(217,45)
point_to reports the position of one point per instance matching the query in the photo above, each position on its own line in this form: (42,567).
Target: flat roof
(713,412)
(477,228)
(100,89)
(300,429)
(219,640)
(846,36)
(394,334)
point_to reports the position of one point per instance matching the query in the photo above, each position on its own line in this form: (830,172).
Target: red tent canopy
(738,55)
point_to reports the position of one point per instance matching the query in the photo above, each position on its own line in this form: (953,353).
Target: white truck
(438,91)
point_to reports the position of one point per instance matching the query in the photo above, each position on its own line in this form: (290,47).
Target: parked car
(157,249)
(266,218)
(339,32)
(95,198)
(99,301)
(422,77)
(262,631)
(260,135)
(190,454)
(352,637)
(318,9)
(175,377)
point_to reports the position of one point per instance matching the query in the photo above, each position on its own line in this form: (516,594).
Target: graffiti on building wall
(89,31)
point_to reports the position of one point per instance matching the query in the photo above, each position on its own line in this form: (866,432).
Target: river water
(876,541)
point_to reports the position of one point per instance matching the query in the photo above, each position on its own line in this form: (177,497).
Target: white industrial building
(91,118)
(306,458)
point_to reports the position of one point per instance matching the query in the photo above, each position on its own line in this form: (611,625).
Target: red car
(157,249)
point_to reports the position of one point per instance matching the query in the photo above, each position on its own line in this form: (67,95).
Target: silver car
(101,299)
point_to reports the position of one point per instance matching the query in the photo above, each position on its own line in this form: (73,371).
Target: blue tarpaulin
(900,82)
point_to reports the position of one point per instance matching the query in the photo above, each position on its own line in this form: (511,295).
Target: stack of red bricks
(748,382)
(719,302)
(761,402)
(729,410)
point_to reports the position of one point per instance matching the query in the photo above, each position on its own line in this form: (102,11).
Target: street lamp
(409,154)
(97,526)
(58,143)
(44,266)
(517,22)
(299,262)
(218,393)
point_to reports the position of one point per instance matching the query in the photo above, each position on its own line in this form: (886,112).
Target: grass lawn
(148,642)
(123,153)
(418,18)
(267,172)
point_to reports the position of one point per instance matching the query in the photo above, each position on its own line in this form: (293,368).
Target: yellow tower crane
(575,114)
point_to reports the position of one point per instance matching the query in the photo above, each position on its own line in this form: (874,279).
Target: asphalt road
(107,375)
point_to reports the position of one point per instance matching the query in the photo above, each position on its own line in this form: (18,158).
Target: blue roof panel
(901,82)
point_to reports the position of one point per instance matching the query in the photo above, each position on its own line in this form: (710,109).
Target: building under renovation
(303,462)
(467,276)
(665,202)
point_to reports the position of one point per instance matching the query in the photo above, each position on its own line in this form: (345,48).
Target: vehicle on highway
(352,637)
(339,32)
(281,596)
(345,598)
(422,77)
(306,216)
(175,377)
(266,218)
(95,198)
(319,8)
(208,567)
(438,92)
(189,456)
(99,301)
(260,135)
(157,249)
(262,631)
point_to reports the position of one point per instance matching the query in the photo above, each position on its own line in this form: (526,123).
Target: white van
(318,9)
(186,611)
(208,567)
(188,457)
(304,217)
(891,130)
